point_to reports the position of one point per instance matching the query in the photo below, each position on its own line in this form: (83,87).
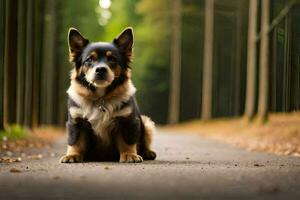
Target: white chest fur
(100,121)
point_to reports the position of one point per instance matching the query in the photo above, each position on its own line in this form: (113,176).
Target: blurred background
(194,59)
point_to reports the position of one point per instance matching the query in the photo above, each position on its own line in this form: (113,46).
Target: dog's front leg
(75,152)
(76,143)
(128,153)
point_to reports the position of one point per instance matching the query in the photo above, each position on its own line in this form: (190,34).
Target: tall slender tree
(29,66)
(251,62)
(21,57)
(263,100)
(48,76)
(10,63)
(208,60)
(38,11)
(175,63)
(2,30)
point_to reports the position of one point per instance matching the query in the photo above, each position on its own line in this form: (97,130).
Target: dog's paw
(71,159)
(149,155)
(130,158)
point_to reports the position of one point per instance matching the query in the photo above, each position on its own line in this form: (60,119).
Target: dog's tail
(149,132)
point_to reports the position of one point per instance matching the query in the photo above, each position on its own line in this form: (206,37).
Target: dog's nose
(101,70)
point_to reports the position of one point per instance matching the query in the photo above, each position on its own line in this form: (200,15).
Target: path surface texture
(187,167)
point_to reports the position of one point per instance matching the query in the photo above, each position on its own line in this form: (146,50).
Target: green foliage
(152,57)
(150,21)
(14,131)
(122,16)
(81,15)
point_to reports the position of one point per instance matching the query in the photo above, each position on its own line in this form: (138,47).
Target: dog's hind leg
(146,140)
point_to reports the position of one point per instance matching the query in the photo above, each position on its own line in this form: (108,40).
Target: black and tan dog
(104,122)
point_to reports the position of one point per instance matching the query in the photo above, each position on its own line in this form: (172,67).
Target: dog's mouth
(102,81)
(100,76)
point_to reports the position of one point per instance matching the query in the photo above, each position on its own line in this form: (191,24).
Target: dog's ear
(125,42)
(76,44)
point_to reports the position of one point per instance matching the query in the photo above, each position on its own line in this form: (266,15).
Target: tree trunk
(10,63)
(264,63)
(63,67)
(208,60)
(29,66)
(175,82)
(37,46)
(48,65)
(21,40)
(2,39)
(251,62)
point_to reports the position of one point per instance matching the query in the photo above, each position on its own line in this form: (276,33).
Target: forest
(192,59)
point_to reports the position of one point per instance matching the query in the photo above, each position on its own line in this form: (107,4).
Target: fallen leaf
(7,159)
(14,170)
(35,156)
(258,165)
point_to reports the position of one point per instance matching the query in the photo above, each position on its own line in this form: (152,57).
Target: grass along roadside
(280,135)
(17,142)
(13,132)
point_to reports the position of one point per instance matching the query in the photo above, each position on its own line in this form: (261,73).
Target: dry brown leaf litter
(15,150)
(281,135)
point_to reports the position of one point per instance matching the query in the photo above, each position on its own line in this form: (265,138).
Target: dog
(104,122)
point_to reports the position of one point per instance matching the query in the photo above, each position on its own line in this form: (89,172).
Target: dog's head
(99,64)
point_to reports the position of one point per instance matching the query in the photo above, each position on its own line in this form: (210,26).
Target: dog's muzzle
(101,73)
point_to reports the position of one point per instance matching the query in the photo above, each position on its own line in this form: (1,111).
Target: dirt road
(187,167)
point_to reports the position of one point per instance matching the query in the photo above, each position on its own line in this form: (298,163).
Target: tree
(208,60)
(2,39)
(263,100)
(38,13)
(48,69)
(21,57)
(175,63)
(9,94)
(251,62)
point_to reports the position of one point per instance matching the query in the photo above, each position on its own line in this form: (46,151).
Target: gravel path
(187,167)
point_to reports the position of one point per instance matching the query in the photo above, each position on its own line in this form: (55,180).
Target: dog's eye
(111,58)
(88,61)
